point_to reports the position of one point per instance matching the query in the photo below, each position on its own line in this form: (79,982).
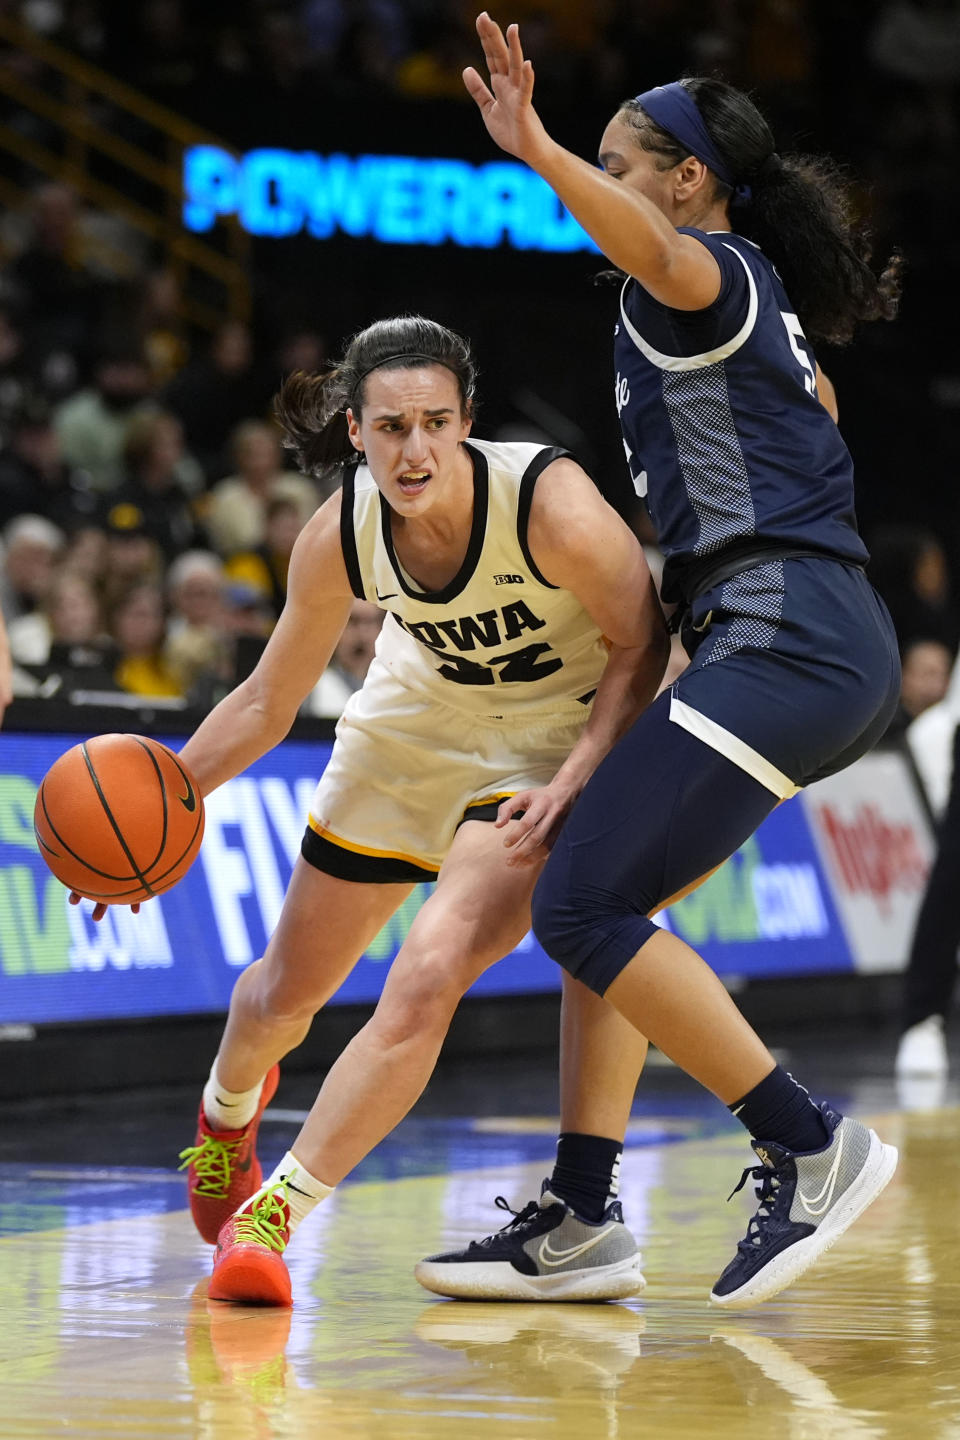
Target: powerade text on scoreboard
(393,199)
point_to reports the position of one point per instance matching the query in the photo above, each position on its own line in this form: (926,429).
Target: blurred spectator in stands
(32,547)
(156,46)
(82,28)
(236,514)
(200,642)
(160,325)
(329,26)
(16,381)
(70,615)
(714,41)
(265,567)
(249,623)
(930,979)
(133,555)
(137,625)
(366,62)
(909,568)
(780,52)
(202,663)
(926,675)
(213,393)
(158,478)
(196,591)
(301,349)
(925,665)
(34,477)
(286,75)
(248,612)
(435,72)
(918,41)
(51,277)
(6,670)
(349,664)
(86,554)
(93,423)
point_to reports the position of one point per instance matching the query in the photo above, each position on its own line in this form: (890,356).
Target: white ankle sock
(229,1109)
(304,1190)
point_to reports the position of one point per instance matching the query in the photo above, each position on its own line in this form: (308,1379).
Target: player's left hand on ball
(100,908)
(530,834)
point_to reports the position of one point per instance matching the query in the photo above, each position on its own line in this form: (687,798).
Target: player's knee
(423,1003)
(279,1000)
(562,925)
(460,947)
(591,931)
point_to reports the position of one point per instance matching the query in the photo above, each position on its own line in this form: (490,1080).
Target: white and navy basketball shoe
(545,1252)
(807,1200)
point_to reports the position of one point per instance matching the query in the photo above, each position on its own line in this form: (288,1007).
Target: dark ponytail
(312,409)
(799,210)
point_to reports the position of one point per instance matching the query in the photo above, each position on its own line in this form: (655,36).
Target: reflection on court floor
(108,1330)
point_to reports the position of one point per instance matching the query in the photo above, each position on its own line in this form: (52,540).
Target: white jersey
(499,641)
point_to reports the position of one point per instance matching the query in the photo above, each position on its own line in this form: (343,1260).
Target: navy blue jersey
(721,422)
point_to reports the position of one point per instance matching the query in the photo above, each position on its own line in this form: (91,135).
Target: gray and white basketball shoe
(808,1198)
(545,1252)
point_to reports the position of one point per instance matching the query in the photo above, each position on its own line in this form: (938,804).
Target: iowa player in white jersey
(523,637)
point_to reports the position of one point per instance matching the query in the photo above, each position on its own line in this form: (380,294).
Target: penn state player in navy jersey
(734,260)
(722,423)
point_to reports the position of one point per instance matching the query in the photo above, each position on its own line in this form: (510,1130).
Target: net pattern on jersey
(709,455)
(756,597)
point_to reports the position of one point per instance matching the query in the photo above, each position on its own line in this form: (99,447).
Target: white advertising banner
(876,847)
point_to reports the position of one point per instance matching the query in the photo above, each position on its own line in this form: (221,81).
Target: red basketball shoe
(248,1265)
(222,1166)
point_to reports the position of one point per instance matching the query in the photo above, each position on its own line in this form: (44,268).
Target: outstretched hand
(507,103)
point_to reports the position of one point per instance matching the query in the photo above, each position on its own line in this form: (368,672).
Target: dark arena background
(197,201)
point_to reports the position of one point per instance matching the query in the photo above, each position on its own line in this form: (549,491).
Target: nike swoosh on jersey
(548,1256)
(811,1203)
(392,596)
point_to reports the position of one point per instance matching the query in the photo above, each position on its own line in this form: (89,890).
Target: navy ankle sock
(779,1109)
(587,1173)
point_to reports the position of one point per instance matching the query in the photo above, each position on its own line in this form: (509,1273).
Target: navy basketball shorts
(794,675)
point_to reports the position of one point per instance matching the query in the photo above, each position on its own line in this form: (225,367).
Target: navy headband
(674,109)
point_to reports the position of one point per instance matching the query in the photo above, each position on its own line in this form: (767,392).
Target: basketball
(118,818)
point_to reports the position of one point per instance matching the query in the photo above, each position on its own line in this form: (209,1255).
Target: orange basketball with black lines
(119,818)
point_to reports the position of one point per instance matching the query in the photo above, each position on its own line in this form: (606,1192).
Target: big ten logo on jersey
(621,395)
(508,579)
(451,640)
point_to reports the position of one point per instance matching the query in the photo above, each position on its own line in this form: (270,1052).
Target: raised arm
(581,544)
(258,713)
(630,230)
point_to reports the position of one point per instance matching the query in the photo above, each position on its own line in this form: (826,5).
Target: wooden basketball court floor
(107,1330)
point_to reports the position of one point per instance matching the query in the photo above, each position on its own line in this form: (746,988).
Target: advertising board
(829,883)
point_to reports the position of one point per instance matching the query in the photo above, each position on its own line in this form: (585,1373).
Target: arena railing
(78,148)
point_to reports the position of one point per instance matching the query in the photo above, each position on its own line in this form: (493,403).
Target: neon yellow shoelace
(214,1161)
(265,1223)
